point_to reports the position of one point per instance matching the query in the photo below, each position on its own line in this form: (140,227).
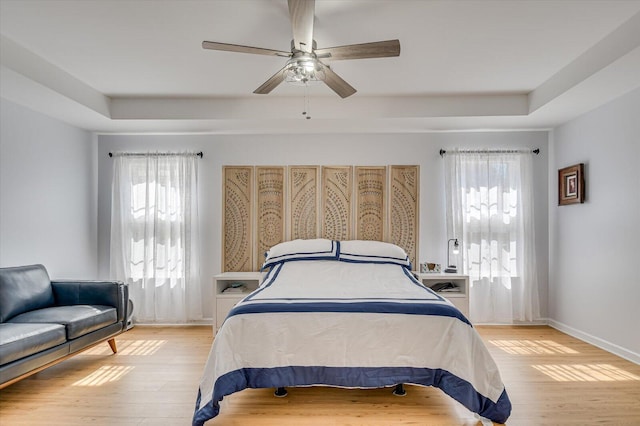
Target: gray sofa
(43,322)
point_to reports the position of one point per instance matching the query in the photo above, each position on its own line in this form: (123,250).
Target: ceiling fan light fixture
(303,70)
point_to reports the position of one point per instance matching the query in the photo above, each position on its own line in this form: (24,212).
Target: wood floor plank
(551,378)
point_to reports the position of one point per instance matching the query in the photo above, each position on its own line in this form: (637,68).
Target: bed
(348,314)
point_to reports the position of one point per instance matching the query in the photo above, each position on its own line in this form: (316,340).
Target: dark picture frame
(571,185)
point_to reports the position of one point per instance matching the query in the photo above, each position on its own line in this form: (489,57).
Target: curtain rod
(490,151)
(132,154)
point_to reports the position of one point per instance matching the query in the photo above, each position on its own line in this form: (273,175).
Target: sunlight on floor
(103,375)
(142,347)
(129,347)
(532,347)
(585,373)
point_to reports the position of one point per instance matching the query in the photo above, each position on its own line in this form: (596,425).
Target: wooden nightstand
(226,301)
(459,298)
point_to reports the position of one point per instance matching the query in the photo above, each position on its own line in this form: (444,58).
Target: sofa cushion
(21,340)
(77,319)
(23,289)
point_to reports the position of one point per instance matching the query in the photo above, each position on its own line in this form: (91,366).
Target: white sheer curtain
(154,235)
(490,210)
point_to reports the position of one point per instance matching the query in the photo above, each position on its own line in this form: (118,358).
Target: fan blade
(212,45)
(337,84)
(272,83)
(376,49)
(301,13)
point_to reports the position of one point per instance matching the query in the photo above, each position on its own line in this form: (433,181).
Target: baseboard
(533,323)
(596,341)
(196,323)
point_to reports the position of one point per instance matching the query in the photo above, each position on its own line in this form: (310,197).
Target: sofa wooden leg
(112,344)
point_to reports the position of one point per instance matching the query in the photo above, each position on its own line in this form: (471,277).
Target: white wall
(341,149)
(48,199)
(594,284)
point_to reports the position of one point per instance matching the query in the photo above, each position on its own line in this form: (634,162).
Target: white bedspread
(349,325)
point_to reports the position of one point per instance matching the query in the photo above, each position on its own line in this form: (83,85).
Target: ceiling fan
(304,63)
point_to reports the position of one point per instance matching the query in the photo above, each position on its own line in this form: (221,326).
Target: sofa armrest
(109,293)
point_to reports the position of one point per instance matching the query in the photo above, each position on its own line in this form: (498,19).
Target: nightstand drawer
(459,302)
(223,306)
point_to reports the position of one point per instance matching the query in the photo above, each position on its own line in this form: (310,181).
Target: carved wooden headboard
(265,205)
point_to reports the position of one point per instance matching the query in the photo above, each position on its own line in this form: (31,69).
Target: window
(154,238)
(490,210)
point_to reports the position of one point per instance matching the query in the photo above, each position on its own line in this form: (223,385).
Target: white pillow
(316,249)
(362,251)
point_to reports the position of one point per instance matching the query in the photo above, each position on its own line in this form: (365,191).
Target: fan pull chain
(307,106)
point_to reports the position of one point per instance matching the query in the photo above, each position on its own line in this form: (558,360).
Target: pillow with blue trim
(316,249)
(362,251)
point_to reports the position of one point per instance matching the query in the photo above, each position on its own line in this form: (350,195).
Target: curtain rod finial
(442,152)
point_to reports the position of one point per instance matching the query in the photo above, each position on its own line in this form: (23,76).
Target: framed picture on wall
(571,185)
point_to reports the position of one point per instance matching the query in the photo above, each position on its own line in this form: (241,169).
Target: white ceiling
(138,65)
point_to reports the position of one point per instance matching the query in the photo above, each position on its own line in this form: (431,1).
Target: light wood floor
(551,378)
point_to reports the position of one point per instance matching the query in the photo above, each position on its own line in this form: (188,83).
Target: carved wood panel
(336,202)
(403,211)
(270,210)
(303,202)
(370,202)
(299,202)
(237,218)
